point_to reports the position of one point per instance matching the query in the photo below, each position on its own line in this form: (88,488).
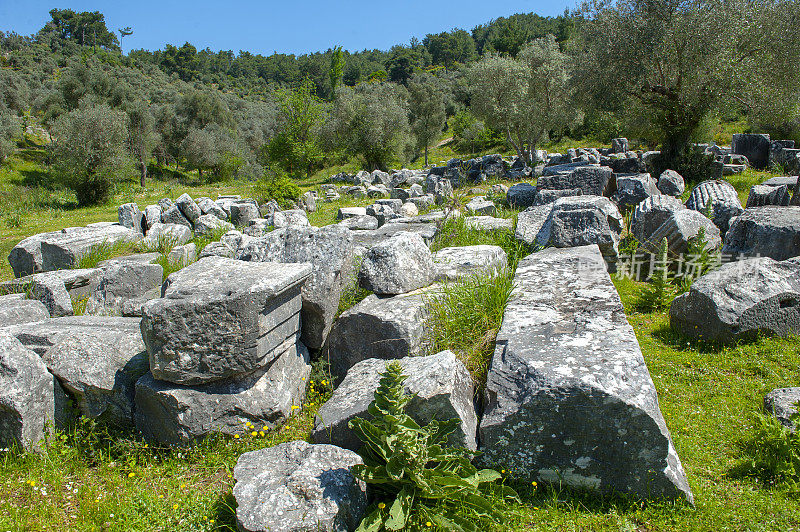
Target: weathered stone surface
(568,397)
(49,289)
(457,262)
(754,146)
(168,235)
(27,402)
(591,180)
(481,207)
(123,287)
(183,255)
(222,317)
(308,201)
(545,196)
(532,225)
(398,265)
(209,207)
(723,199)
(131,217)
(441,384)
(564,169)
(650,214)
(679,228)
(671,183)
(207,224)
(330,252)
(369,239)
(360,223)
(175,216)
(781,404)
(489,223)
(152,215)
(96,359)
(632,189)
(767,231)
(291,217)
(173,414)
(521,195)
(188,207)
(409,209)
(619,145)
(382,213)
(15,310)
(217,249)
(385,328)
(739,300)
(242,213)
(297,487)
(763,195)
(350,212)
(62,249)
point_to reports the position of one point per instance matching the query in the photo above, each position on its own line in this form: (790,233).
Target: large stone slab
(16,310)
(489,223)
(740,300)
(679,229)
(720,197)
(330,251)
(297,486)
(367,239)
(754,146)
(442,389)
(766,231)
(651,213)
(763,195)
(633,189)
(222,317)
(174,414)
(122,287)
(568,396)
(459,262)
(532,225)
(96,359)
(385,328)
(591,180)
(521,195)
(398,265)
(62,249)
(167,235)
(27,402)
(208,224)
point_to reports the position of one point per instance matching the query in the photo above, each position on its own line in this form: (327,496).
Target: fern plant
(417,479)
(775,451)
(659,292)
(700,259)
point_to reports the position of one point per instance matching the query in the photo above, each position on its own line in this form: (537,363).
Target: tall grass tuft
(103,251)
(455,232)
(464,316)
(352,293)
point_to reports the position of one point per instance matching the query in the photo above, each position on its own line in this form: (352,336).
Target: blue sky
(286,26)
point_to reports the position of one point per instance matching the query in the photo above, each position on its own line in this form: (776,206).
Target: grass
(454,232)
(464,316)
(104,251)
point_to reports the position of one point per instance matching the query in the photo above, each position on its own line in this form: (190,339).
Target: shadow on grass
(224,511)
(681,342)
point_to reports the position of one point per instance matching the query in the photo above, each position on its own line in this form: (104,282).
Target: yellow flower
(503,471)
(131,475)
(235,436)
(261,433)
(535,507)
(428,524)
(175,506)
(382,506)
(183,486)
(211,521)
(294,407)
(266,427)
(324,383)
(533,484)
(160,496)
(254,433)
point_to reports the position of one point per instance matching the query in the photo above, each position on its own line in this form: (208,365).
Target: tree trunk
(142,172)
(426,154)
(200,173)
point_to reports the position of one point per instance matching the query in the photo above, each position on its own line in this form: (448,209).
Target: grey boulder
(208,224)
(650,214)
(242,213)
(167,235)
(209,207)
(131,217)
(782,403)
(718,196)
(298,487)
(763,195)
(569,398)
(442,389)
(521,195)
(740,300)
(671,183)
(174,215)
(766,231)
(633,189)
(219,318)
(398,265)
(680,229)
(188,207)
(123,287)
(459,262)
(174,414)
(17,310)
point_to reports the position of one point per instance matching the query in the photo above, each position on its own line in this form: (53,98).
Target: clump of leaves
(659,292)
(417,480)
(775,451)
(699,260)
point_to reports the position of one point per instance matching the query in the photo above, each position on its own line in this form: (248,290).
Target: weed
(79,306)
(775,453)
(352,293)
(659,292)
(103,251)
(454,231)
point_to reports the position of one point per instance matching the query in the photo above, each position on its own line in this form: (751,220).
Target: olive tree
(426,103)
(142,137)
(526,98)
(370,121)
(89,151)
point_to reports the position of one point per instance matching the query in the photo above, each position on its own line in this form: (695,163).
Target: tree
(669,63)
(124,32)
(296,147)
(337,67)
(525,98)
(9,127)
(89,152)
(85,28)
(426,104)
(142,137)
(370,121)
(450,47)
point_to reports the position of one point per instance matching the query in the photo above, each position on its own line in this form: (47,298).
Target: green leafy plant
(775,452)
(699,260)
(279,188)
(659,292)
(416,478)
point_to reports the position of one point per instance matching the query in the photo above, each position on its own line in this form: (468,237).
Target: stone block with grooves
(569,398)
(27,402)
(173,414)
(122,287)
(221,317)
(297,486)
(441,384)
(459,262)
(679,229)
(740,300)
(766,231)
(398,265)
(96,359)
(722,198)
(386,328)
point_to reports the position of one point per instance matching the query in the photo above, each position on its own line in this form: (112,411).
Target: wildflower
(266,427)
(294,407)
(534,484)
(382,505)
(324,383)
(261,433)
(160,496)
(235,436)
(535,507)
(428,524)
(175,506)
(254,434)
(183,486)
(131,474)
(211,521)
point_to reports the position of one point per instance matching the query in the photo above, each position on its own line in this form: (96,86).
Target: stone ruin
(227,341)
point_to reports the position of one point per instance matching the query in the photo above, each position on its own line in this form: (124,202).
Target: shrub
(659,292)
(278,188)
(465,316)
(416,479)
(691,163)
(455,232)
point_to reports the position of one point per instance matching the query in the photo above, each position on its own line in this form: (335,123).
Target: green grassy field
(89,480)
